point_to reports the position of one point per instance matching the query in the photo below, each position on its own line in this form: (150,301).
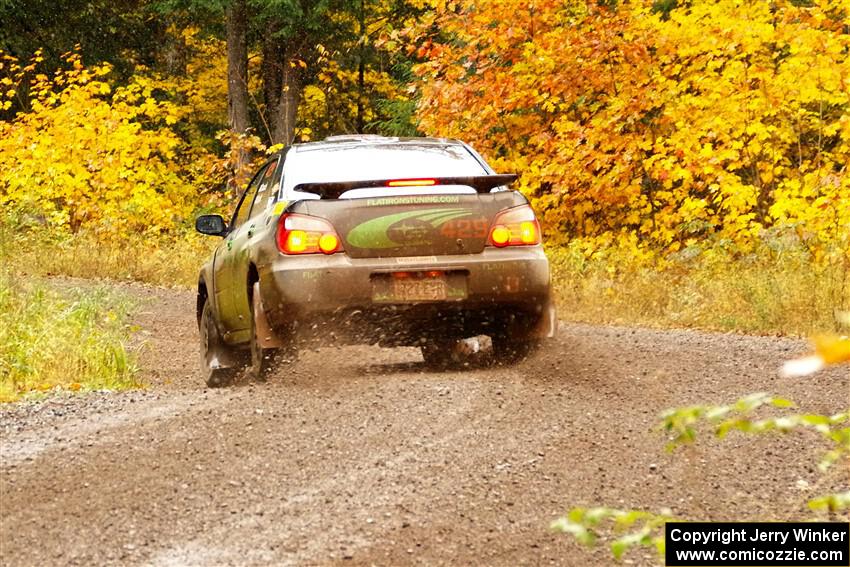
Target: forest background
(688,159)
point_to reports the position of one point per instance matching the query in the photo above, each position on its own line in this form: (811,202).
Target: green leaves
(641,528)
(646,529)
(681,423)
(831,502)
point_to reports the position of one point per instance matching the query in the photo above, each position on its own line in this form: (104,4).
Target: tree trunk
(271,71)
(282,85)
(361,66)
(174,53)
(237,84)
(361,88)
(287,110)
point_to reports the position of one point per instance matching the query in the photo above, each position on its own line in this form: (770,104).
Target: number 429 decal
(465,228)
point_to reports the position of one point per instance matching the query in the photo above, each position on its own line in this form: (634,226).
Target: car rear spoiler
(481,184)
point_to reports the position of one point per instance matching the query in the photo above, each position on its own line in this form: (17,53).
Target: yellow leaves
(303,134)
(833,349)
(86,156)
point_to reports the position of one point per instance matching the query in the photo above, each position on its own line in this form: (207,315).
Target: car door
(226,266)
(245,237)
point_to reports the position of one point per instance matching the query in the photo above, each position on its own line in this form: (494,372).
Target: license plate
(412,287)
(418,289)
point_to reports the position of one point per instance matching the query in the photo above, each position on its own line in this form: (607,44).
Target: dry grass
(73,341)
(765,291)
(167,261)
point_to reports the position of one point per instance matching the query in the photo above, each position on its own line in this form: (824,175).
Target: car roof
(366,140)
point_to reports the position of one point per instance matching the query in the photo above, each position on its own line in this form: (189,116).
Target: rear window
(397,161)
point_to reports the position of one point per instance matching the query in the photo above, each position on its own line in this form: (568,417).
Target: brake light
(302,234)
(411,182)
(328,243)
(500,235)
(515,227)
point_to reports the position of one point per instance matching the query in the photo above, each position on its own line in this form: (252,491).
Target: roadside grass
(765,291)
(164,260)
(73,341)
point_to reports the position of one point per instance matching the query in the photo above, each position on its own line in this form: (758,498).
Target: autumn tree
(90,155)
(714,120)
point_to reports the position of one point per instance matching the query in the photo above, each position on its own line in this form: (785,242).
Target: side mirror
(213,225)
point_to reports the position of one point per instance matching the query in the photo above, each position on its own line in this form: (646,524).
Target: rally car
(372,240)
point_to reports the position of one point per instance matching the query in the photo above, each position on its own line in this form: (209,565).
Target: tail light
(302,234)
(515,227)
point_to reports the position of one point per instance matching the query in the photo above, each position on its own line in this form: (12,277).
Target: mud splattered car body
(401,242)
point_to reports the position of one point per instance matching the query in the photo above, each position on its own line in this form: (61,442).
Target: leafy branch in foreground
(642,528)
(681,423)
(835,429)
(831,502)
(725,418)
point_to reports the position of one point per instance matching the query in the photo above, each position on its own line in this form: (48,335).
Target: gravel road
(361,456)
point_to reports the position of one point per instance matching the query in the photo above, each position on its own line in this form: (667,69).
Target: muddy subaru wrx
(364,239)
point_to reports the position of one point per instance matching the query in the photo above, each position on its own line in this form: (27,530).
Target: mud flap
(266,336)
(215,355)
(547,327)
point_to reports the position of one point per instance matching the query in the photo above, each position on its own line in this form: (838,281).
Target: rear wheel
(438,353)
(216,357)
(510,350)
(265,360)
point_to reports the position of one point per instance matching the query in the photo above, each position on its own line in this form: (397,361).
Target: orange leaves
(736,115)
(833,349)
(535,82)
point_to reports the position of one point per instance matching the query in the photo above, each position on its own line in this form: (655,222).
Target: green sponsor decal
(409,228)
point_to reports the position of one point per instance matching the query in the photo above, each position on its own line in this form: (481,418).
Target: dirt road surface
(361,456)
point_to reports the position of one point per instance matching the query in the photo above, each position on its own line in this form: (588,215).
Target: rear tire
(213,350)
(438,354)
(508,350)
(264,361)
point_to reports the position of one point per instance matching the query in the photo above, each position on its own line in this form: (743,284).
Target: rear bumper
(329,298)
